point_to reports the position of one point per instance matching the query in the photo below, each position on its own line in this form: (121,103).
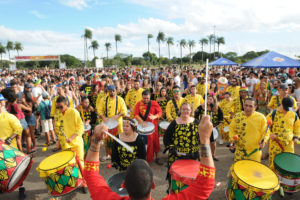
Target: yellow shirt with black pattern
(276,100)
(235,91)
(201,88)
(170,109)
(194,101)
(236,104)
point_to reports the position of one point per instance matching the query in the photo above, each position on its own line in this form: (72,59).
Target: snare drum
(14,167)
(112,126)
(145,131)
(115,183)
(251,180)
(86,138)
(287,168)
(163,126)
(61,173)
(183,173)
(127,116)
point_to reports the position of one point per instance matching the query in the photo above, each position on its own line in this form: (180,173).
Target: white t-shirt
(297,93)
(177,80)
(36,91)
(251,82)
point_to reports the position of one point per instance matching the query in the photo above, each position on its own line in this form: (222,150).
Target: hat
(27,85)
(223,80)
(59,85)
(45,95)
(36,81)
(2,98)
(284,86)
(111,87)
(243,89)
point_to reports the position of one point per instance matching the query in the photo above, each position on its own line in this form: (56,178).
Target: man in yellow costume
(72,129)
(285,129)
(102,94)
(248,128)
(133,96)
(56,115)
(201,87)
(238,102)
(194,99)
(226,107)
(234,88)
(112,107)
(276,99)
(173,106)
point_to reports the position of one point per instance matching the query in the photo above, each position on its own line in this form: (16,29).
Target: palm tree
(182,44)
(160,38)
(87,35)
(148,38)
(191,44)
(203,42)
(94,46)
(107,47)
(211,39)
(2,50)
(118,38)
(9,47)
(219,41)
(170,41)
(18,47)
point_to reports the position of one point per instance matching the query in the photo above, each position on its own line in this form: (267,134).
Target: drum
(112,129)
(251,180)
(163,126)
(86,138)
(215,134)
(115,183)
(287,168)
(14,167)
(61,173)
(145,131)
(183,173)
(127,116)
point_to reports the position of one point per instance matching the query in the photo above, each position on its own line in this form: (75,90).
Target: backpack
(47,110)
(273,117)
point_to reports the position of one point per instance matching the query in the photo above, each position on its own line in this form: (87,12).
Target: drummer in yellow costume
(201,87)
(101,95)
(234,89)
(172,108)
(194,99)
(56,115)
(238,102)
(276,99)
(133,96)
(10,126)
(72,130)
(248,129)
(285,130)
(227,109)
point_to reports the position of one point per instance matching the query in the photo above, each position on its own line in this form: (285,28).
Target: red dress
(199,190)
(153,139)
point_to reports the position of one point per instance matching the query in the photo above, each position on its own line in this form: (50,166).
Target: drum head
(164,125)
(19,172)
(215,133)
(185,171)
(288,163)
(56,160)
(255,174)
(87,128)
(111,123)
(226,129)
(147,130)
(115,182)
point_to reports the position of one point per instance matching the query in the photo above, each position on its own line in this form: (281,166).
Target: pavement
(36,188)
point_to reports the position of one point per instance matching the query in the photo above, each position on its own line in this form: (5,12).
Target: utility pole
(214,41)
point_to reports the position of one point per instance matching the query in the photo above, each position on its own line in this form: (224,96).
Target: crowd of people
(72,108)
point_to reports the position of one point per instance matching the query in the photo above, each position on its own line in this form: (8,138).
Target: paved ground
(36,189)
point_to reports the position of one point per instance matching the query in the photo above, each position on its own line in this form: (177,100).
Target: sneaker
(221,141)
(84,190)
(104,158)
(46,145)
(215,159)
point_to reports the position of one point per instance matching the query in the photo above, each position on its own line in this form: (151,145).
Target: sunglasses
(176,91)
(59,107)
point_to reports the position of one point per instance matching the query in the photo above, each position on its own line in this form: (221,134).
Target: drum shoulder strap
(147,112)
(176,107)
(116,110)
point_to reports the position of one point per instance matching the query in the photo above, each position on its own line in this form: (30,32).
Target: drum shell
(148,130)
(15,158)
(290,181)
(183,173)
(162,129)
(63,179)
(115,181)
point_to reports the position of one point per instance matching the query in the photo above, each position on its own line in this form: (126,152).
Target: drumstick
(120,142)
(206,77)
(269,122)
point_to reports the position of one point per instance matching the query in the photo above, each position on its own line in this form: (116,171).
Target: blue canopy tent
(223,62)
(272,60)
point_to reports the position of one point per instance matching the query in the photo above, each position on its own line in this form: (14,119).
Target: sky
(51,27)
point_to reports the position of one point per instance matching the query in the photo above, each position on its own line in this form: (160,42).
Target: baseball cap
(27,85)
(45,95)
(111,87)
(284,86)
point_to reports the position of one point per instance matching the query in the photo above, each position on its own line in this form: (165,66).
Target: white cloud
(78,4)
(37,14)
